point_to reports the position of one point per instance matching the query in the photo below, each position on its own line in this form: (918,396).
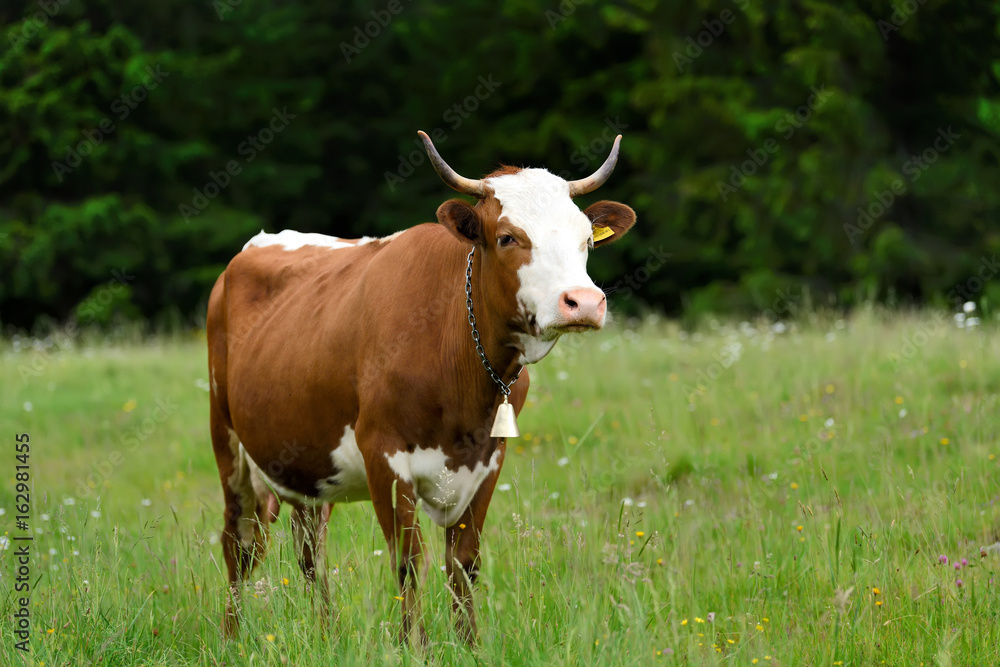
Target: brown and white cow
(346,370)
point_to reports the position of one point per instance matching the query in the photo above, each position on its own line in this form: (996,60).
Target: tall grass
(736,494)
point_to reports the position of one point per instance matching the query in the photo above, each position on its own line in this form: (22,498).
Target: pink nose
(583,308)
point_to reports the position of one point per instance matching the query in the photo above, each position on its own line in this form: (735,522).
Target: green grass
(775,496)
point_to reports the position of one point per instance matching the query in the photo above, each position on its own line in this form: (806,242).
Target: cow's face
(535,242)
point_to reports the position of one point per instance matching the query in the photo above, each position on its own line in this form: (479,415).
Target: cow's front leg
(462,555)
(395,501)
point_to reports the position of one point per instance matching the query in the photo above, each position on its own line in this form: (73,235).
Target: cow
(372,369)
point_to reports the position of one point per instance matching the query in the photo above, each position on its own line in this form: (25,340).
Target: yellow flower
(760,627)
(755,661)
(461,526)
(639,533)
(794,486)
(803,418)
(596,642)
(270,638)
(572,440)
(878,603)
(50,630)
(992,456)
(830,388)
(399,597)
(684,622)
(799,528)
(715,421)
(731,641)
(766,619)
(698,620)
(876,591)
(659,561)
(945,441)
(284,581)
(767,657)
(899,400)
(129,405)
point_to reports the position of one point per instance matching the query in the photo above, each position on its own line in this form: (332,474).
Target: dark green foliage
(753,206)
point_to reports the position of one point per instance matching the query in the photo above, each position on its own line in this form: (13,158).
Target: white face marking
(538,202)
(446,493)
(292,240)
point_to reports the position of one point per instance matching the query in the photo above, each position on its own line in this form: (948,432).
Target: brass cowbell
(505,424)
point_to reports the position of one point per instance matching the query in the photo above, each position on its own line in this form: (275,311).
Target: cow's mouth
(575,328)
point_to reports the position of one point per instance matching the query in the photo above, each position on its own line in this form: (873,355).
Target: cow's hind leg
(244,532)
(309,530)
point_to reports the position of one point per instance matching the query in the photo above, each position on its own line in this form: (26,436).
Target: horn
(596,180)
(452,179)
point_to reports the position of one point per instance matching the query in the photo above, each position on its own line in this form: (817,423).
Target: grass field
(734,495)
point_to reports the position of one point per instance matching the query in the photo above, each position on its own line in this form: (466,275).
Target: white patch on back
(538,202)
(291,240)
(533,349)
(446,493)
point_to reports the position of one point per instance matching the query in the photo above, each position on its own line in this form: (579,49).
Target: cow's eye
(506,240)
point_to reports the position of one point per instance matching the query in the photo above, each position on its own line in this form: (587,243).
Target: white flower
(562,375)
(69,501)
(641,503)
(28,407)
(969,306)
(146,502)
(554,495)
(779,327)
(44,517)
(95,513)
(2,511)
(830,337)
(972,322)
(503,487)
(902,413)
(4,542)
(688,503)
(563,461)
(213,538)
(76,553)
(377,552)
(627,502)
(829,422)
(52,551)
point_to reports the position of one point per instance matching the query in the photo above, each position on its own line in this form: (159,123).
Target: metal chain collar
(504,388)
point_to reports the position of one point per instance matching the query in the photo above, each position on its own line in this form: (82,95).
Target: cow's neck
(495,335)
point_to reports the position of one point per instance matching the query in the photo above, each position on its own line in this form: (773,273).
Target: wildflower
(503,487)
(766,619)
(803,418)
(50,630)
(95,513)
(899,400)
(830,388)
(799,528)
(958,582)
(794,486)
(572,440)
(627,502)
(878,603)
(270,638)
(129,405)
(755,661)
(399,597)
(943,559)
(284,581)
(146,502)
(659,561)
(958,566)
(731,641)
(563,461)
(684,622)
(698,620)
(876,591)
(639,533)
(964,562)
(945,441)
(760,627)
(711,617)
(674,377)
(377,552)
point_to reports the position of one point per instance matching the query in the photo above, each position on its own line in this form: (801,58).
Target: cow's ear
(461,219)
(610,219)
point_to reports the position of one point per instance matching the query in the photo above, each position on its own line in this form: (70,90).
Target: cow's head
(534,242)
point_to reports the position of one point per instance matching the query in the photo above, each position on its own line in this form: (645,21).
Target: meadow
(736,493)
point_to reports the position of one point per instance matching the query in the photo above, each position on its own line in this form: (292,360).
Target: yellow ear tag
(601,233)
